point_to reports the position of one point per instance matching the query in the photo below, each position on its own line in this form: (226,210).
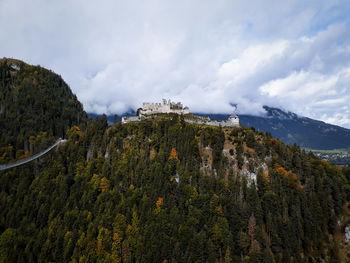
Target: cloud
(320,96)
(117,54)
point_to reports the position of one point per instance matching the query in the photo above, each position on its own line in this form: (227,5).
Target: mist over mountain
(305,132)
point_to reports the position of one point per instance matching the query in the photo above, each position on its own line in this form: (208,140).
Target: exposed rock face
(347,234)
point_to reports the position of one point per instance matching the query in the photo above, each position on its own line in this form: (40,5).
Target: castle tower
(234,120)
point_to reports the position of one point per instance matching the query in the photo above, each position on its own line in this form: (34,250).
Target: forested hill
(159,190)
(163,190)
(36,108)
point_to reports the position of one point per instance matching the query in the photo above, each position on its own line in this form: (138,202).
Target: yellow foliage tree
(104,184)
(159,201)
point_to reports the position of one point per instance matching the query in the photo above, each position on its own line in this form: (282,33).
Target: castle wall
(203,121)
(226,123)
(127,119)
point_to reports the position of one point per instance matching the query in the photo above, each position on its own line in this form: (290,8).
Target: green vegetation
(36,108)
(110,195)
(163,190)
(329,151)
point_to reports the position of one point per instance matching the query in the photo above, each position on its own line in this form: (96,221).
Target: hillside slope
(36,108)
(166,190)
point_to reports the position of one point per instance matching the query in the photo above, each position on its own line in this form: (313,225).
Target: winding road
(29,159)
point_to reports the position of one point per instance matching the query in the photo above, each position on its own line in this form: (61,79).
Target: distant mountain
(292,128)
(111,119)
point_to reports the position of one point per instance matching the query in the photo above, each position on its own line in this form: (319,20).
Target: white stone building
(165,107)
(148,109)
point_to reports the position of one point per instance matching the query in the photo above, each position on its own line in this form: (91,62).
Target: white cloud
(313,94)
(117,54)
(300,85)
(251,60)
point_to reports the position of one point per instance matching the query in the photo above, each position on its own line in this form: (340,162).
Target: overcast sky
(208,54)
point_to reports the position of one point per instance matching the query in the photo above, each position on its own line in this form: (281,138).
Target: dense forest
(36,108)
(163,190)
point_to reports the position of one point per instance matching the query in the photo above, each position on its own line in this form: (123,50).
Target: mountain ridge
(292,128)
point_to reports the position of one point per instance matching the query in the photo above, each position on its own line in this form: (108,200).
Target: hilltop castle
(148,110)
(165,107)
